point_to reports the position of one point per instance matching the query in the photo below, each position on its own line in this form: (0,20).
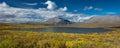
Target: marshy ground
(29,39)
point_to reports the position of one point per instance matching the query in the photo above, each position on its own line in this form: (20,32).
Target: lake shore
(29,39)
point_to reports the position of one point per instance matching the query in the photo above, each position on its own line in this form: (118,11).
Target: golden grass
(12,39)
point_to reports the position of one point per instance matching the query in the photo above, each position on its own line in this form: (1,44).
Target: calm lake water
(67,30)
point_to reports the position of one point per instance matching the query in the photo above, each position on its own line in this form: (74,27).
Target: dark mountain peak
(58,21)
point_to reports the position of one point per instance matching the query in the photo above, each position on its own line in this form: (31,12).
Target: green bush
(8,44)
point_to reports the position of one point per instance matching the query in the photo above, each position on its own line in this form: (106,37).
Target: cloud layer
(92,8)
(20,15)
(51,5)
(31,4)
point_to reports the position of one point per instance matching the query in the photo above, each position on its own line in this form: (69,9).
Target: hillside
(57,21)
(104,20)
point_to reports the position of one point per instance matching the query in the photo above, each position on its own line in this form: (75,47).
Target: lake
(66,30)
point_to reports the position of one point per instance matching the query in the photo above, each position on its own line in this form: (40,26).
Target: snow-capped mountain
(20,15)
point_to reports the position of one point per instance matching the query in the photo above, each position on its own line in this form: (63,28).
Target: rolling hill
(104,20)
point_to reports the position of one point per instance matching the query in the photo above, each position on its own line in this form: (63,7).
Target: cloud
(75,10)
(88,8)
(3,4)
(20,15)
(92,8)
(51,5)
(31,4)
(63,9)
(111,13)
(98,9)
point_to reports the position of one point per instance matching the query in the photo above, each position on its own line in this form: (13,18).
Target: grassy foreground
(12,39)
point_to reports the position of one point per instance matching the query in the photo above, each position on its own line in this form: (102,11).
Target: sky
(22,11)
(89,7)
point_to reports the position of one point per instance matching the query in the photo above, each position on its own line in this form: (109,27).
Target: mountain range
(93,20)
(104,20)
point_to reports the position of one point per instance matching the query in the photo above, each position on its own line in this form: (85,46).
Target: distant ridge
(93,20)
(104,20)
(57,21)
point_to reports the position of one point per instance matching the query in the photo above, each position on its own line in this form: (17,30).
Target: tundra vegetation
(27,39)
